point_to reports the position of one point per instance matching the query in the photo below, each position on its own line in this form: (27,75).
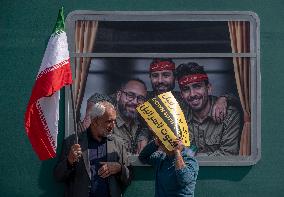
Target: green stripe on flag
(59,25)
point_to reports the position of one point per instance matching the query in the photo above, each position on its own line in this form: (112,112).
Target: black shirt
(97,154)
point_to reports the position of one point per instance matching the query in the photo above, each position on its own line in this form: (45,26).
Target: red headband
(164,65)
(192,78)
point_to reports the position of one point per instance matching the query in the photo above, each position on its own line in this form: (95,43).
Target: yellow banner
(172,105)
(165,117)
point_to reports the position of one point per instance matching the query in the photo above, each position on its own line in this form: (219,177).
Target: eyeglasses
(131,96)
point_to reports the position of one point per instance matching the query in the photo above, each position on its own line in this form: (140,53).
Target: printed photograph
(214,92)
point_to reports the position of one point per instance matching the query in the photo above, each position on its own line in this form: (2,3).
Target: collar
(120,122)
(212,100)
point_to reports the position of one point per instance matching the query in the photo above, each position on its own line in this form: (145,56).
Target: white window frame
(254,56)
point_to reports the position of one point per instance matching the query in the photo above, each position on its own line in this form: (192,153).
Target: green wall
(25,27)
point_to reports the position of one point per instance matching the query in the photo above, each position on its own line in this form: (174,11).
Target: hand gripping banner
(166,119)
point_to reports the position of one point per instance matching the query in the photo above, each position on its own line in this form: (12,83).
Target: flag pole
(74,114)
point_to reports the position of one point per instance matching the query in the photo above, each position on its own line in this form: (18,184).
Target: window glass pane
(163,37)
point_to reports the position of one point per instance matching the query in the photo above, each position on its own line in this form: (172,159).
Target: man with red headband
(162,76)
(210,137)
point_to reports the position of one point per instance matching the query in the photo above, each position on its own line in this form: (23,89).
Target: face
(133,94)
(105,124)
(162,81)
(196,95)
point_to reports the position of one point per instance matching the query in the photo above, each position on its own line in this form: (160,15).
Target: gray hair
(98,109)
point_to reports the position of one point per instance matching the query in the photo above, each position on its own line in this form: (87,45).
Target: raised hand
(219,110)
(74,154)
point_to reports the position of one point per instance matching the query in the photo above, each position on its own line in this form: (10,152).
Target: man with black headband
(211,138)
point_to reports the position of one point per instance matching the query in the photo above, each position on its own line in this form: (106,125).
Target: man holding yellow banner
(176,169)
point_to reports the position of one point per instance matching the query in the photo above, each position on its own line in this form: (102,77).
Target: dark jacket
(77,178)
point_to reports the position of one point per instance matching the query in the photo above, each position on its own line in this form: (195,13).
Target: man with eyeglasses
(128,129)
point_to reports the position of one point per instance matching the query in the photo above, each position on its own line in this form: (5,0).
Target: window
(109,47)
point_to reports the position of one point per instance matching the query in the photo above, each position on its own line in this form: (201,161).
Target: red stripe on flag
(46,85)
(52,81)
(38,134)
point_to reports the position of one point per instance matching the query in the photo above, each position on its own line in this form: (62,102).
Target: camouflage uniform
(130,136)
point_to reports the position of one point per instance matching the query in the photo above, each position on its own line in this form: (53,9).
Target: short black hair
(190,68)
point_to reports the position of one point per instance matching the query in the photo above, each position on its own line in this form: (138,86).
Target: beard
(197,103)
(162,87)
(108,131)
(127,114)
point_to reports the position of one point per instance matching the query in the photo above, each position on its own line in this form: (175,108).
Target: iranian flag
(41,117)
